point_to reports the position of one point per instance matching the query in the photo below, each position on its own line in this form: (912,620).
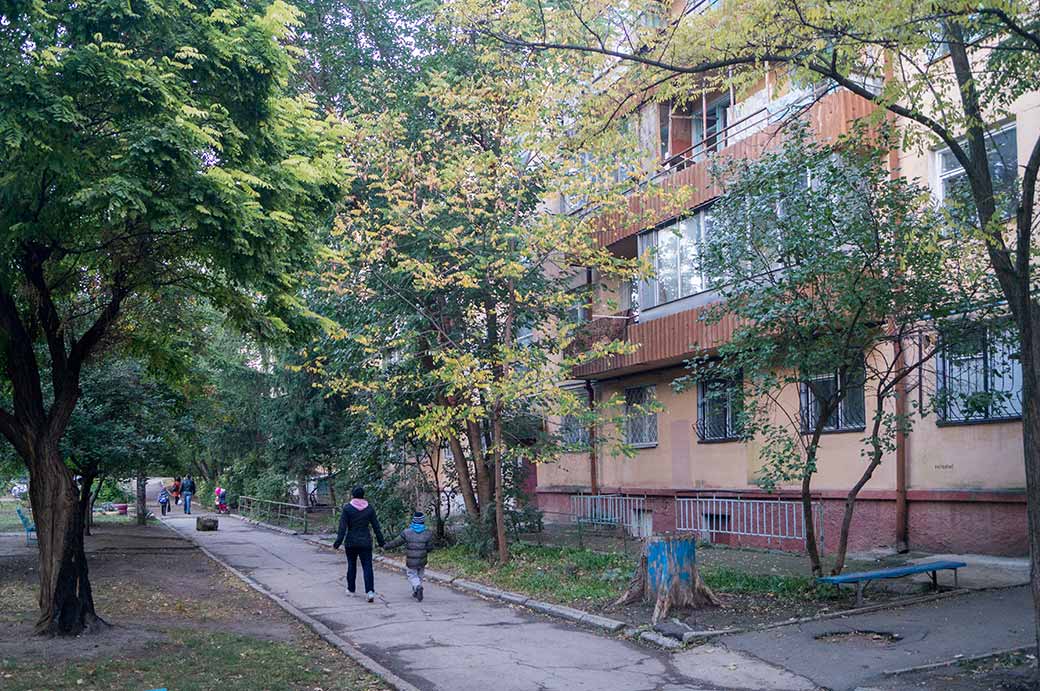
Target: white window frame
(940,177)
(650,241)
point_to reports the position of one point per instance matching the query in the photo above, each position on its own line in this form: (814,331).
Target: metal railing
(613,510)
(277,513)
(773,519)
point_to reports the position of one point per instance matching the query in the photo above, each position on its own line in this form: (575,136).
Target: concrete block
(205,523)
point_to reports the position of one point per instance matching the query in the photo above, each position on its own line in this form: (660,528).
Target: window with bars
(640,418)
(841,396)
(573,432)
(979,376)
(718,408)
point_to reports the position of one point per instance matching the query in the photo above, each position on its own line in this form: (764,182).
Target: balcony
(830,115)
(661,342)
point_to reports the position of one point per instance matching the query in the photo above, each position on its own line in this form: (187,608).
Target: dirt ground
(160,594)
(1016,672)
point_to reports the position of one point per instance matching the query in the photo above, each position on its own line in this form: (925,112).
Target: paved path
(972,624)
(460,642)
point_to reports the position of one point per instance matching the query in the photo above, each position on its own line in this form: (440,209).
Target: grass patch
(556,574)
(198,661)
(729,580)
(573,575)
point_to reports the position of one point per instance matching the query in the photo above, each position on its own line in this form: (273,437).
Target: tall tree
(839,277)
(948,72)
(146,145)
(470,280)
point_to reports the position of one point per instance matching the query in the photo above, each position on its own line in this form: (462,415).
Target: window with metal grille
(640,418)
(979,376)
(573,432)
(841,395)
(718,407)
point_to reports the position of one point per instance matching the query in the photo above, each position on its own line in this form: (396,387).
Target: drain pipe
(593,462)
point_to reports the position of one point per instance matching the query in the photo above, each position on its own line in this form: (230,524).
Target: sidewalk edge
(508,597)
(330,636)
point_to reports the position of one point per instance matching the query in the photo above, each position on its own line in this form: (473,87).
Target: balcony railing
(829,111)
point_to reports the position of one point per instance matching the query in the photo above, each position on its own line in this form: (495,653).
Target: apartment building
(955,483)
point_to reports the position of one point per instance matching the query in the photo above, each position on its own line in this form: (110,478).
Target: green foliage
(829,265)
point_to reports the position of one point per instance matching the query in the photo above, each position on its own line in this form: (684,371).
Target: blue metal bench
(30,527)
(863,578)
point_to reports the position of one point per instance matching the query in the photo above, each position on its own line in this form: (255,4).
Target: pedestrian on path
(187,489)
(418,543)
(164,499)
(176,490)
(355,520)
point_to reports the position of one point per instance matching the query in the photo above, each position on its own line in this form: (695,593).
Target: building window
(692,129)
(843,396)
(718,408)
(953,188)
(573,432)
(979,376)
(640,418)
(673,255)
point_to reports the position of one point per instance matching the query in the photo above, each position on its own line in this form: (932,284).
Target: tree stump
(668,575)
(205,523)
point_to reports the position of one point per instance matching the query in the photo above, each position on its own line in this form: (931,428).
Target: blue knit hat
(418,517)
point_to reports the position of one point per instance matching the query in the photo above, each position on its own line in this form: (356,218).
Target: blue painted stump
(668,576)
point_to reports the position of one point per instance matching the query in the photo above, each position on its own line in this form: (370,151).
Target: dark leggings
(365,553)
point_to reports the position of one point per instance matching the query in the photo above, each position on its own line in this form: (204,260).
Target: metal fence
(613,510)
(278,513)
(564,529)
(772,519)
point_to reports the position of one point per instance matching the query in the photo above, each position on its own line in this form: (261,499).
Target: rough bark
(485,480)
(142,498)
(85,499)
(465,482)
(301,491)
(66,600)
(681,585)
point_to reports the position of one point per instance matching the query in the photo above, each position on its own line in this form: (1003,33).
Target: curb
(261,524)
(330,636)
(956,660)
(472,587)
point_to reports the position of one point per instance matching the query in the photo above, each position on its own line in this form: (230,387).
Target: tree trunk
(876,453)
(500,498)
(142,498)
(485,480)
(465,481)
(668,576)
(1031,442)
(301,490)
(807,516)
(85,503)
(66,600)
(93,499)
(332,489)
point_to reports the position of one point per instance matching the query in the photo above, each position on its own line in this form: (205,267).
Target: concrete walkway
(829,652)
(459,642)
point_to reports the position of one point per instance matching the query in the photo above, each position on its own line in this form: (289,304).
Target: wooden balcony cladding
(830,117)
(661,342)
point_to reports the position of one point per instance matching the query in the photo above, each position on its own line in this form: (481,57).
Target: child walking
(418,542)
(164,499)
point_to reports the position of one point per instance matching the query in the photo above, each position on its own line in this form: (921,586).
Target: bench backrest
(23,518)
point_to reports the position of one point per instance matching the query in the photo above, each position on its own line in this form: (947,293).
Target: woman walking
(355,520)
